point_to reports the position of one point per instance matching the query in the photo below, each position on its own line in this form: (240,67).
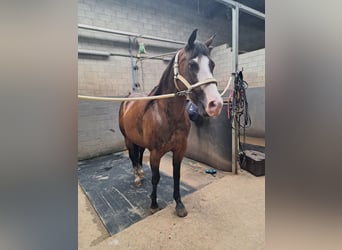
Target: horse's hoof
(154,210)
(181,211)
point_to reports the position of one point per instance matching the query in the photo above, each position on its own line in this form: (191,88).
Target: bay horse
(163,125)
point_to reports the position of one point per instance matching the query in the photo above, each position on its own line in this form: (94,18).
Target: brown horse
(163,125)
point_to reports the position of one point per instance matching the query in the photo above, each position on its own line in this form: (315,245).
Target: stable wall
(112,76)
(103,76)
(98,129)
(253,64)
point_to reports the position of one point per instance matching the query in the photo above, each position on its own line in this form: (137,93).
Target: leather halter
(178,76)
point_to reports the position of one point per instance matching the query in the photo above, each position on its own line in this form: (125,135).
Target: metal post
(235,38)
(243,8)
(235,67)
(236,7)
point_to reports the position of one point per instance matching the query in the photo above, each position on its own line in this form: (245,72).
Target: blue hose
(132,63)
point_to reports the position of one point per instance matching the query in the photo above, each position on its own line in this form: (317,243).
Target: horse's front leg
(154,161)
(180,208)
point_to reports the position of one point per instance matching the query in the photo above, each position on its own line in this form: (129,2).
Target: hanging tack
(142,49)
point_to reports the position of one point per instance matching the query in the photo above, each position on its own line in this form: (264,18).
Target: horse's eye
(193,66)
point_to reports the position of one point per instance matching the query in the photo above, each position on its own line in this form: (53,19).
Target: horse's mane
(198,49)
(164,79)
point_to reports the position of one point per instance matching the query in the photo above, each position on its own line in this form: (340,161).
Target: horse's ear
(210,40)
(192,39)
(210,49)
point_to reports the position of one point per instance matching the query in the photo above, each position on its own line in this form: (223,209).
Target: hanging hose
(132,63)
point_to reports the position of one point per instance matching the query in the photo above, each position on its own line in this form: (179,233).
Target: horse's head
(196,66)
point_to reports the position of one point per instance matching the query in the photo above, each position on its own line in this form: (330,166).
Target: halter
(189,87)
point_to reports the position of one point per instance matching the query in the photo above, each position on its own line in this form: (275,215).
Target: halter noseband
(179,77)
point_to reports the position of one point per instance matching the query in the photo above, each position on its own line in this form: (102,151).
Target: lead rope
(180,92)
(155,97)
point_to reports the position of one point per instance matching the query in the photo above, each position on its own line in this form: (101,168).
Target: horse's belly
(151,129)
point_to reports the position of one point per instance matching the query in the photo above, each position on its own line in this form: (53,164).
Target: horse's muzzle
(214,108)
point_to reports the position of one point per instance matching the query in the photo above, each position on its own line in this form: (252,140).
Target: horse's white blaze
(210,90)
(212,94)
(204,70)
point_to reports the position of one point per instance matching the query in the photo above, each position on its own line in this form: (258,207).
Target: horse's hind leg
(133,151)
(140,169)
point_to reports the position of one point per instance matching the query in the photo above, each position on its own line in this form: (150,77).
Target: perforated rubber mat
(108,183)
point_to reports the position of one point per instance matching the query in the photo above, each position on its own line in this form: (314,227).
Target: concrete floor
(227,212)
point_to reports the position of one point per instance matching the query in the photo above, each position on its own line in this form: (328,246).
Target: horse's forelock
(198,50)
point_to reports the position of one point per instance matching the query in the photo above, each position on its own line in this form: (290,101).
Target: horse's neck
(174,105)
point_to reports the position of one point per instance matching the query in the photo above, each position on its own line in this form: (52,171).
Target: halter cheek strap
(179,77)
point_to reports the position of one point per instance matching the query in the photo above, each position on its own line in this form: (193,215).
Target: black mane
(167,74)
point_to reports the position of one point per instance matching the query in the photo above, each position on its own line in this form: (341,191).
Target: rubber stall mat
(108,183)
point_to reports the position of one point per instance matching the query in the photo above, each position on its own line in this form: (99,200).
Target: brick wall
(253,64)
(111,76)
(98,129)
(222,56)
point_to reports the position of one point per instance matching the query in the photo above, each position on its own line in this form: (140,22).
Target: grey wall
(112,76)
(169,19)
(256,106)
(210,141)
(98,129)
(253,64)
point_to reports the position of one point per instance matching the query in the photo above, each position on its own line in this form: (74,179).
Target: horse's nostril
(212,104)
(214,108)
